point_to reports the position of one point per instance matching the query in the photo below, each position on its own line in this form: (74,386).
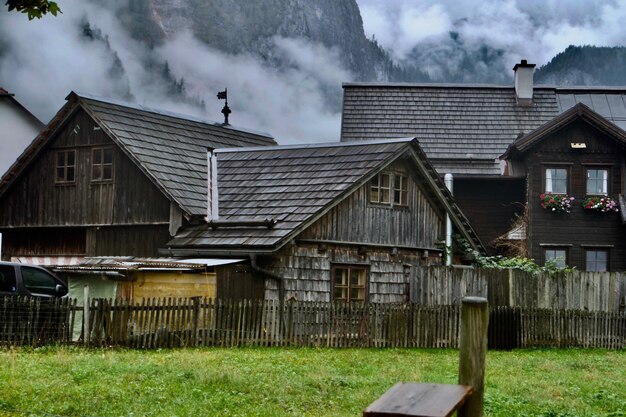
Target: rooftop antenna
(223,95)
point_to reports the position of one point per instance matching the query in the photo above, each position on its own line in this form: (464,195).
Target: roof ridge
(140,107)
(316,145)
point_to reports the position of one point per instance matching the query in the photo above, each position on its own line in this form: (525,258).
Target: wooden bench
(419,400)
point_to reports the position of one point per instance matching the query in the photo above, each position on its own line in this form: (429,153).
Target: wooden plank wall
(306,269)
(590,291)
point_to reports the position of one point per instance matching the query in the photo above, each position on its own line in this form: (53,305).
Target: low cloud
(42,61)
(532,29)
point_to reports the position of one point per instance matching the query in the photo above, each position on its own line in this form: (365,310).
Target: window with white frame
(389,188)
(556,255)
(556,180)
(597,181)
(596,260)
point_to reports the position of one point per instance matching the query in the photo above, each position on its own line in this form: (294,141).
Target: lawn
(296,382)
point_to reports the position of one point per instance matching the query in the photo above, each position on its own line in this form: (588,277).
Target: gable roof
(464,128)
(268,195)
(579,111)
(169,148)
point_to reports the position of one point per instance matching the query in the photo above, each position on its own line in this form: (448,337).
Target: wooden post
(86,315)
(195,319)
(472,352)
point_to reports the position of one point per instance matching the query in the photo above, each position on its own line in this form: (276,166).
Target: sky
(46,59)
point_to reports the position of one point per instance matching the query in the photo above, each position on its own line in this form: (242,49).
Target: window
(7,279)
(65,167)
(102,164)
(596,260)
(556,180)
(38,282)
(597,181)
(389,188)
(557,255)
(349,283)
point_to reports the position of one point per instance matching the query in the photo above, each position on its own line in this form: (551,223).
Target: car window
(7,278)
(38,281)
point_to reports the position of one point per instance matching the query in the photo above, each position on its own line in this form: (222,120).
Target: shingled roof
(268,195)
(169,148)
(464,128)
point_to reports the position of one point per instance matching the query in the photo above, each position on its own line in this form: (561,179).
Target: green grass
(296,382)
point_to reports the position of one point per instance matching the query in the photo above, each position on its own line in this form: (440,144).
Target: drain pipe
(448,179)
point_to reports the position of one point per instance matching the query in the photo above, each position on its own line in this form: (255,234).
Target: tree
(34,8)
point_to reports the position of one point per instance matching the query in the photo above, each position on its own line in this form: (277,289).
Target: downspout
(448,179)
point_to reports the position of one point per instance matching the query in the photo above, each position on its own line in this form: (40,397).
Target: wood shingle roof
(290,187)
(463,128)
(169,148)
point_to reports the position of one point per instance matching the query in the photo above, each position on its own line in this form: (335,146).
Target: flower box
(603,204)
(560,203)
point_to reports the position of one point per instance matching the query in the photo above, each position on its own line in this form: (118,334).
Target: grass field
(295,382)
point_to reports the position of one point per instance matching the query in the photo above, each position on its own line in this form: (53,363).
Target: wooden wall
(357,220)
(306,269)
(175,284)
(580,227)
(42,241)
(490,205)
(238,282)
(35,200)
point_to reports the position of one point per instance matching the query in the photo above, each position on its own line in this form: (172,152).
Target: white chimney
(212,200)
(524,83)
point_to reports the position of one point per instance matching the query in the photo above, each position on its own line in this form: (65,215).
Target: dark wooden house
(579,156)
(323,222)
(464,129)
(109,178)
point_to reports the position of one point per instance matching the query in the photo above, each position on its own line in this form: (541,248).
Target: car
(30,280)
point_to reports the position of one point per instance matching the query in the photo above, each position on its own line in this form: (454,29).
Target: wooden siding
(126,240)
(35,200)
(490,205)
(355,219)
(581,227)
(306,270)
(43,241)
(175,284)
(238,282)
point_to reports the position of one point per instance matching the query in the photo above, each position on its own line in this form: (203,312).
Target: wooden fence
(33,321)
(578,290)
(159,323)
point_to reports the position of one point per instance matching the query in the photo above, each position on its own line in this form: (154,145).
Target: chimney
(212,200)
(524,83)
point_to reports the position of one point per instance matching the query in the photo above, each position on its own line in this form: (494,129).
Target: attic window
(389,188)
(102,164)
(65,167)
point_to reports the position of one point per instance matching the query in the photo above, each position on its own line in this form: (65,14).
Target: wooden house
(465,129)
(18,127)
(106,178)
(579,156)
(323,222)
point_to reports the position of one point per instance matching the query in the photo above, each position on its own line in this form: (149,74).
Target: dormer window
(389,188)
(102,164)
(556,180)
(65,167)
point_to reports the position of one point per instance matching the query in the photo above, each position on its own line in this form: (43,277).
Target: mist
(41,61)
(429,31)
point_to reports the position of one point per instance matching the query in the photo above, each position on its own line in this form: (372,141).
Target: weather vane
(223,95)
